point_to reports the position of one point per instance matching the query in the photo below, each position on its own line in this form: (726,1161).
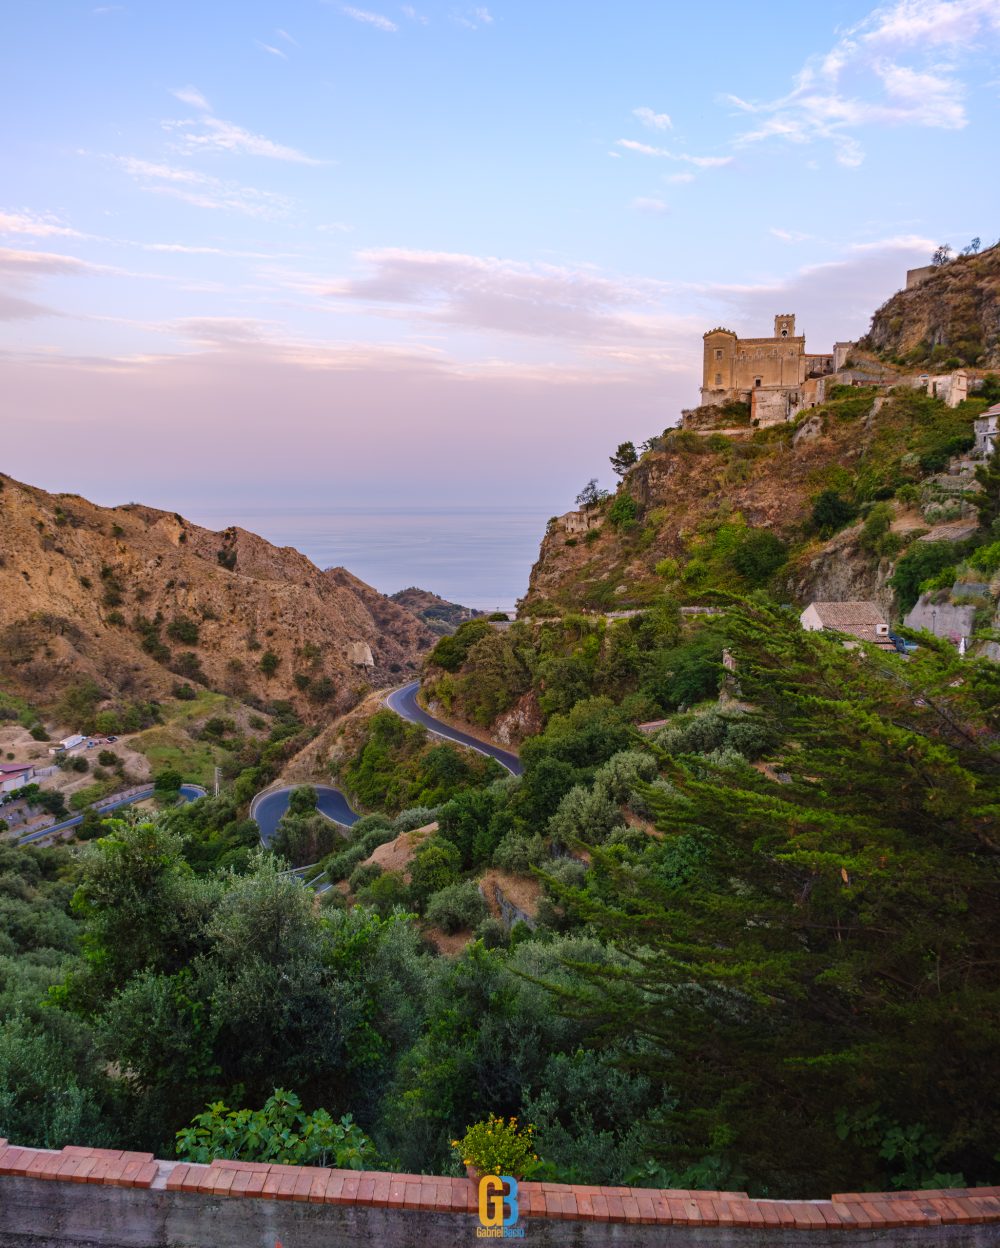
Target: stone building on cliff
(771,374)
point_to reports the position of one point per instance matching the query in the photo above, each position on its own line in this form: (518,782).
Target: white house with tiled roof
(863,620)
(987,428)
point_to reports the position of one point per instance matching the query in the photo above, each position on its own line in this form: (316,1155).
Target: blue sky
(305,252)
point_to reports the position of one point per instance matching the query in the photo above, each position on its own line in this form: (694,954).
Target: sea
(477,556)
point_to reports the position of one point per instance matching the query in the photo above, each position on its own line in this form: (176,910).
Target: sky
(312,254)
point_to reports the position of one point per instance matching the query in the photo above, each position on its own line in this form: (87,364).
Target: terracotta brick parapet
(629,1207)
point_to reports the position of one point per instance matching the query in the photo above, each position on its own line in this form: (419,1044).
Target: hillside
(950,318)
(441,616)
(817,508)
(139,602)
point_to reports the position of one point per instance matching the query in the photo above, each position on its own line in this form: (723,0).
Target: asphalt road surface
(189,792)
(268,808)
(404,702)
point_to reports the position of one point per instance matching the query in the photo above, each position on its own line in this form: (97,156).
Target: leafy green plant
(623,511)
(498,1146)
(281,1132)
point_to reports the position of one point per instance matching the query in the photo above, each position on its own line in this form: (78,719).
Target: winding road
(404,702)
(190,793)
(268,807)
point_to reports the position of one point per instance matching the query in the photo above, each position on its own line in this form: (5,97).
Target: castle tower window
(718,354)
(784,333)
(758,381)
(718,379)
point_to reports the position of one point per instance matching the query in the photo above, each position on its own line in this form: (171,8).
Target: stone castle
(772,374)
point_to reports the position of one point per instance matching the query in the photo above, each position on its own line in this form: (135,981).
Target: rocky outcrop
(953,313)
(840,571)
(137,600)
(524,719)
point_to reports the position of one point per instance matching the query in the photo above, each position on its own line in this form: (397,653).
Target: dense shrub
(456,907)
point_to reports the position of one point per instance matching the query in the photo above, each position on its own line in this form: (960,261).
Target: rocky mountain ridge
(139,601)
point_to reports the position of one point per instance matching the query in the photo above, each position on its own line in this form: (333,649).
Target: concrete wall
(943,619)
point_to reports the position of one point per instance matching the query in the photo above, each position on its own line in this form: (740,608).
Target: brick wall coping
(568,1202)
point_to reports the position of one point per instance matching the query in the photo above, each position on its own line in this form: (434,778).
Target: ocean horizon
(477,556)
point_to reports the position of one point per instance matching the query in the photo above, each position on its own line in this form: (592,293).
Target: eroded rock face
(523,719)
(83,589)
(956,307)
(840,571)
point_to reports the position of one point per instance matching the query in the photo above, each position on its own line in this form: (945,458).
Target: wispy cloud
(473,18)
(35,225)
(653,121)
(267,47)
(21,271)
(651,206)
(201,189)
(789,236)
(192,96)
(680,178)
(377,20)
(30,264)
(211,133)
(409,12)
(899,66)
(487,293)
(702,162)
(283,34)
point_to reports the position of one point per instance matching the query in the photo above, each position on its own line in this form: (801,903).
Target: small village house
(861,620)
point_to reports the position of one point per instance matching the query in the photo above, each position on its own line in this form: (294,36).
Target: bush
(387,892)
(624,511)
(364,874)
(758,556)
(182,628)
(183,693)
(167,783)
(831,512)
(457,907)
(451,652)
(498,1146)
(281,1132)
(435,867)
(518,854)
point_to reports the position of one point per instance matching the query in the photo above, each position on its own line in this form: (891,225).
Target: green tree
(435,867)
(624,458)
(591,495)
(167,782)
(987,499)
(302,801)
(269,663)
(826,938)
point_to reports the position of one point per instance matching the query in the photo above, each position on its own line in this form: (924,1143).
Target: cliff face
(953,314)
(703,511)
(140,600)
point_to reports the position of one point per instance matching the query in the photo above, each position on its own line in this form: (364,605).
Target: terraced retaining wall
(98,1198)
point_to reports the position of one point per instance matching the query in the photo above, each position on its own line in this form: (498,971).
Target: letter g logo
(495,1209)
